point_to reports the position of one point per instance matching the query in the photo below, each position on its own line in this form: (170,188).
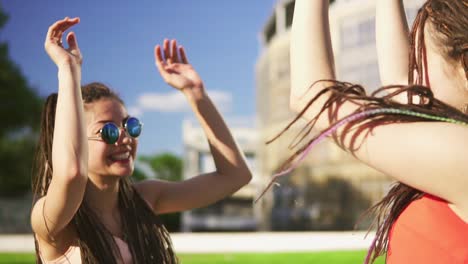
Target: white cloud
(168,102)
(241,121)
(231,121)
(222,100)
(175,102)
(135,111)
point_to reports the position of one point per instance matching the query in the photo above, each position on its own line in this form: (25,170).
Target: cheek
(134,147)
(96,154)
(438,76)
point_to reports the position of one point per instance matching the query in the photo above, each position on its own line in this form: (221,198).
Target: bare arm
(231,169)
(52,213)
(392,42)
(426,156)
(311,52)
(312,59)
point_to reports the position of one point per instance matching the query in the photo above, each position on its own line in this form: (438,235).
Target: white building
(235,212)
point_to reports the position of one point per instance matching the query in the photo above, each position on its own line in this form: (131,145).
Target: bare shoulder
(51,248)
(148,186)
(39,224)
(150,190)
(38,221)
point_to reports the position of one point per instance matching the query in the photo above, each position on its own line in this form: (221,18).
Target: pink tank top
(73,255)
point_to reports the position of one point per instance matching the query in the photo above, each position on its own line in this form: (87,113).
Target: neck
(102,194)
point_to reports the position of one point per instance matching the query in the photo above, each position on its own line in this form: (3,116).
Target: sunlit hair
(147,238)
(449,23)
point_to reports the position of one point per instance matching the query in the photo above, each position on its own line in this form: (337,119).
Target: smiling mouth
(121,157)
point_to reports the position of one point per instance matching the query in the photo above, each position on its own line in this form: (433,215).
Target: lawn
(339,257)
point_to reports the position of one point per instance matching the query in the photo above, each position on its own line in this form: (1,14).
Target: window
(358,33)
(366,32)
(289,13)
(270,30)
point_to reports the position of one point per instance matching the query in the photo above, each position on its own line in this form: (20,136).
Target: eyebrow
(110,121)
(104,121)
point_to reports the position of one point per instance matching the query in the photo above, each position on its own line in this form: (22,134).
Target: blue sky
(117,39)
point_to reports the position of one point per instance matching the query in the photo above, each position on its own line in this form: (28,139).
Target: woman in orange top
(413,129)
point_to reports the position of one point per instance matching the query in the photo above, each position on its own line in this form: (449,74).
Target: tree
(138,175)
(19,125)
(167,167)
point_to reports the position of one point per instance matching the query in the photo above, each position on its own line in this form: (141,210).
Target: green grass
(16,258)
(338,257)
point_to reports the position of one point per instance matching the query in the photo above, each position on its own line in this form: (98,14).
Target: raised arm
(392,39)
(311,58)
(424,155)
(53,212)
(231,169)
(311,50)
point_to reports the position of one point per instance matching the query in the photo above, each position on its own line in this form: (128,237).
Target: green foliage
(167,167)
(19,110)
(172,221)
(16,157)
(138,175)
(3,17)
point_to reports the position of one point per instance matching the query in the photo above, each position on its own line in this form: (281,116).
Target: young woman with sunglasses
(86,208)
(415,130)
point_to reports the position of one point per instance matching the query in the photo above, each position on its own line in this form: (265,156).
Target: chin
(122,169)
(123,172)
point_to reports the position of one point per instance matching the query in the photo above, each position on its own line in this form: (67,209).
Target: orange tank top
(428,231)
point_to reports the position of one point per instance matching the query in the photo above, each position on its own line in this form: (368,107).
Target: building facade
(234,213)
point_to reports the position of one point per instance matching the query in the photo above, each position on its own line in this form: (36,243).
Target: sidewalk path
(236,242)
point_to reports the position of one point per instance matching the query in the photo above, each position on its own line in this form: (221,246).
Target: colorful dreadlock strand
(354,117)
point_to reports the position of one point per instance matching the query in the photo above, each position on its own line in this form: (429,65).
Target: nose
(124,137)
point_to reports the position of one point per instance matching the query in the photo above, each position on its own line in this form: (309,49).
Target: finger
(60,26)
(68,23)
(160,64)
(54,34)
(183,56)
(72,42)
(52,31)
(174,55)
(166,51)
(158,55)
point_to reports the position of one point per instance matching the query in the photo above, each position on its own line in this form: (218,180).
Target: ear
(464,68)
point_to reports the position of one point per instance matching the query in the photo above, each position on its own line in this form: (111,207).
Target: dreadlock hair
(449,23)
(147,238)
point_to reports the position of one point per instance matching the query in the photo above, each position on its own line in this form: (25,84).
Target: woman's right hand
(60,55)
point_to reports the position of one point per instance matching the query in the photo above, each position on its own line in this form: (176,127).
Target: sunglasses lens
(110,133)
(133,127)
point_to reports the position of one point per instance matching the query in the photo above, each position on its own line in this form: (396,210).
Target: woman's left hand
(176,70)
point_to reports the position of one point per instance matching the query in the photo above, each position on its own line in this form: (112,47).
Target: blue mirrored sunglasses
(110,132)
